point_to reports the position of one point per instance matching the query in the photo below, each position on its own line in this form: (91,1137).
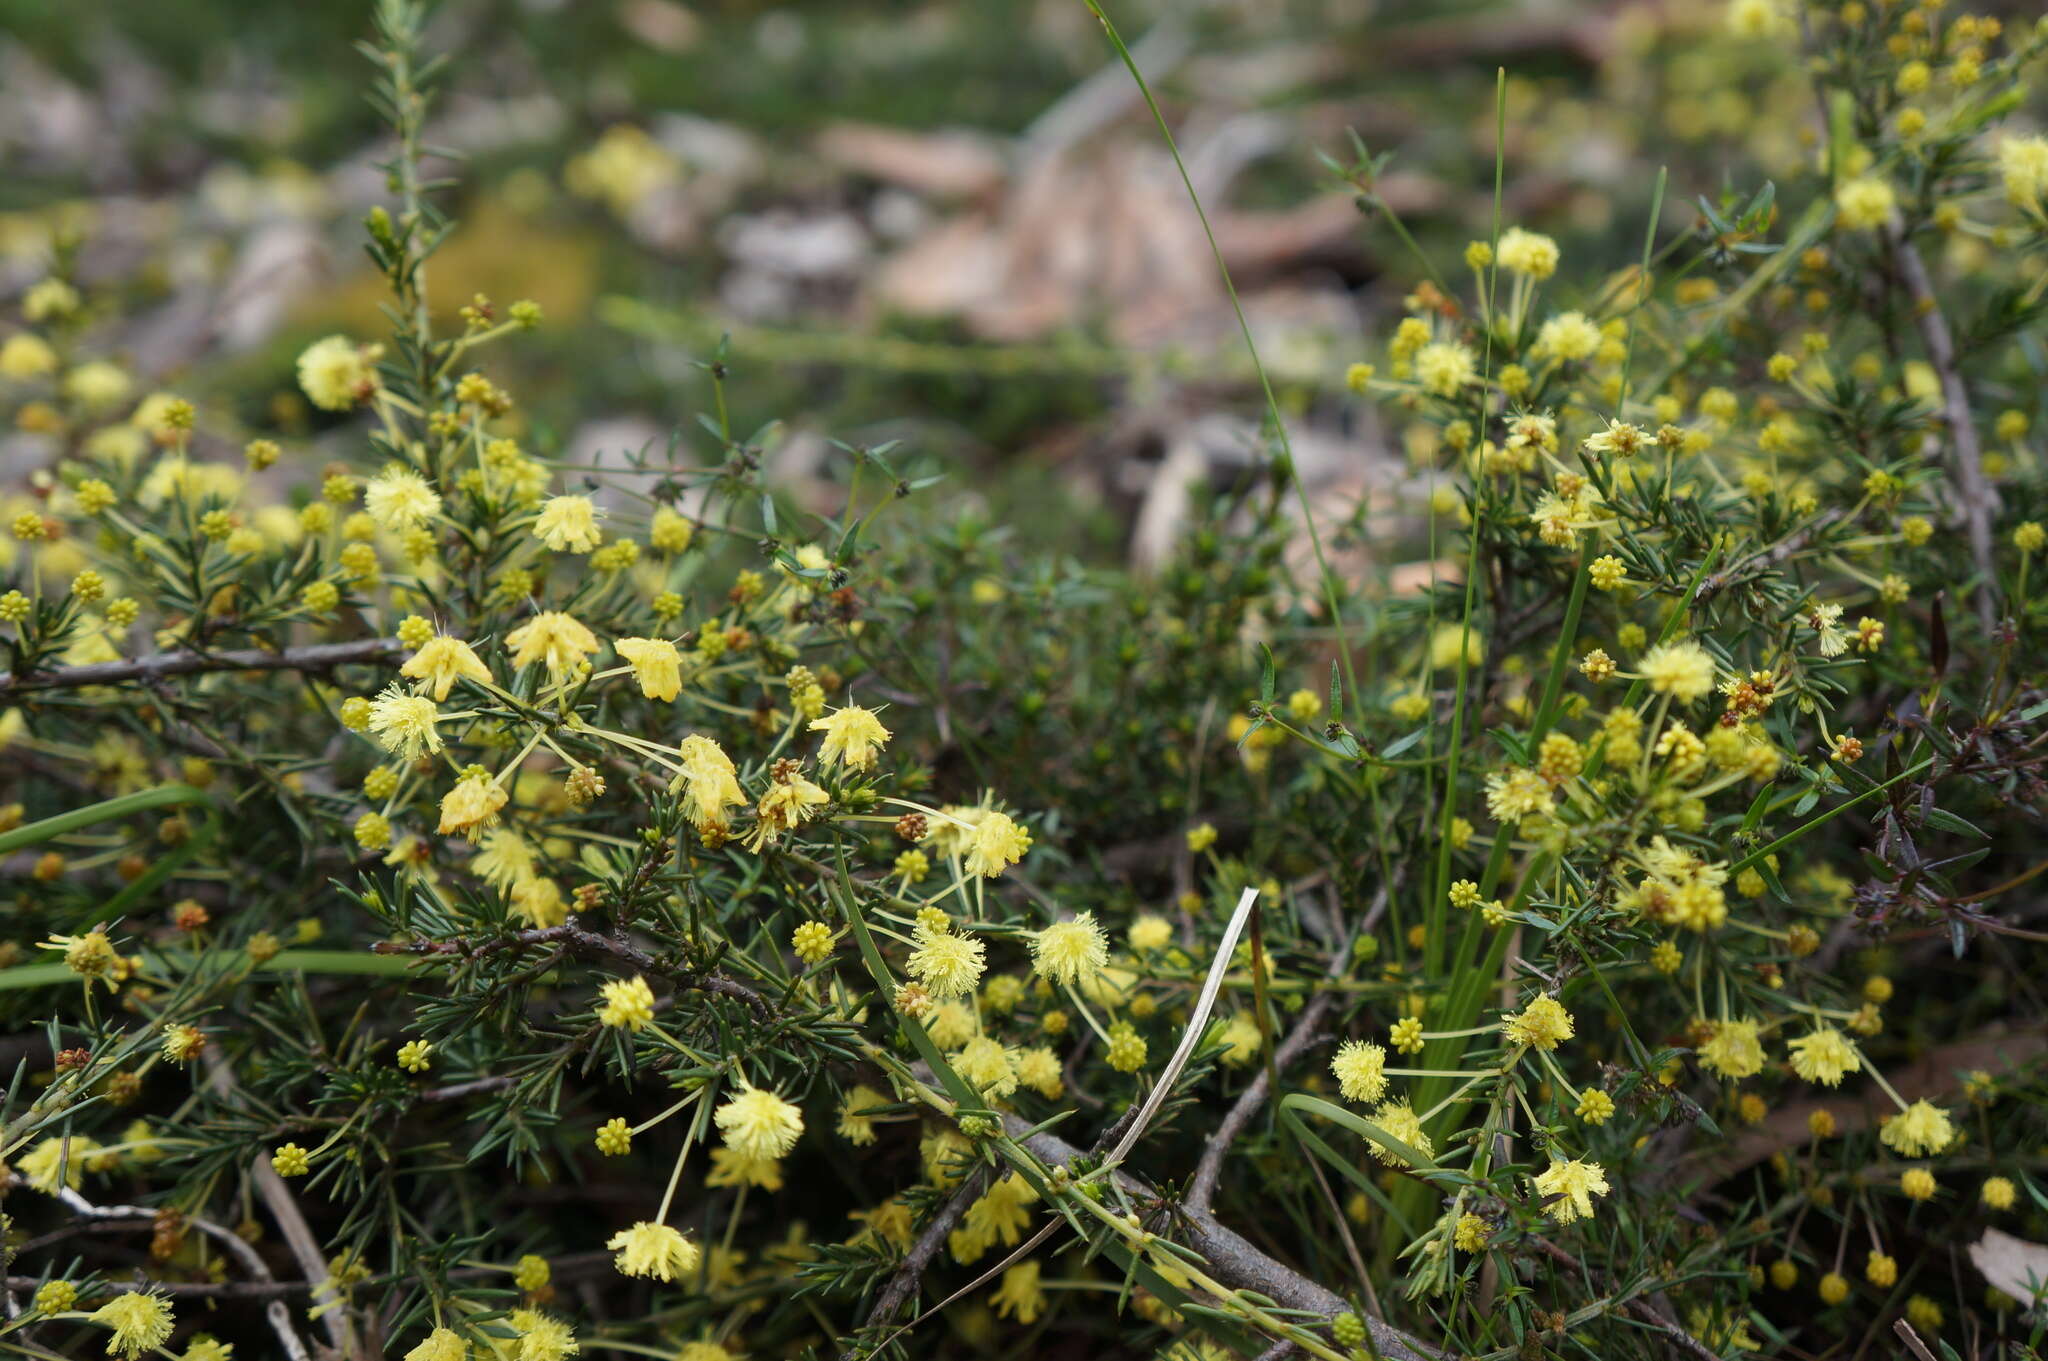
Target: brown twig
(298,1235)
(319,657)
(1202,1187)
(200,1290)
(909,1273)
(455,1091)
(236,1247)
(1232,1260)
(577,938)
(1966,459)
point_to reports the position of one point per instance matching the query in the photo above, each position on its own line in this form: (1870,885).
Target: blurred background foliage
(973,181)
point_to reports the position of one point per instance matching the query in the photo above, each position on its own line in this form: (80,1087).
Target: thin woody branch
(163,665)
(909,1273)
(579,940)
(279,1317)
(1966,456)
(1232,1258)
(1202,1187)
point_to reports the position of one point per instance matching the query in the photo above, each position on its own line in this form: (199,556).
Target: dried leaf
(2014,1265)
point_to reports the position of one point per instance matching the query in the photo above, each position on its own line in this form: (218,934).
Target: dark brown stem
(319,657)
(1202,1188)
(457,1090)
(910,1272)
(576,938)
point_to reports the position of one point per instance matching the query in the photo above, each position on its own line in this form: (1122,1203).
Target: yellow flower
(1863,203)
(1071,952)
(999,842)
(707,776)
(1619,438)
(812,942)
(1543,1024)
(504,860)
(656,665)
(337,373)
(1471,1233)
(1574,1183)
(1609,573)
(568,524)
(948,965)
(182,1043)
(290,1160)
(759,1124)
(441,662)
(54,1158)
(404,724)
(1240,1039)
(1149,933)
(552,638)
(856,1114)
(54,1297)
(89,954)
(1126,1049)
(1039,1069)
(986,1064)
(26,356)
(2023,166)
(1399,1120)
(542,1338)
(1360,1070)
(415,1056)
(1517,793)
(670,532)
(399,499)
(852,736)
(1570,336)
(789,802)
(472,805)
(1998,1193)
(732,1168)
(1527,252)
(532,1273)
(628,1002)
(654,1250)
(1917,1183)
(141,1323)
(539,900)
(1683,670)
(1444,368)
(1824,1056)
(1019,1296)
(1406,1035)
(1734,1051)
(1920,1129)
